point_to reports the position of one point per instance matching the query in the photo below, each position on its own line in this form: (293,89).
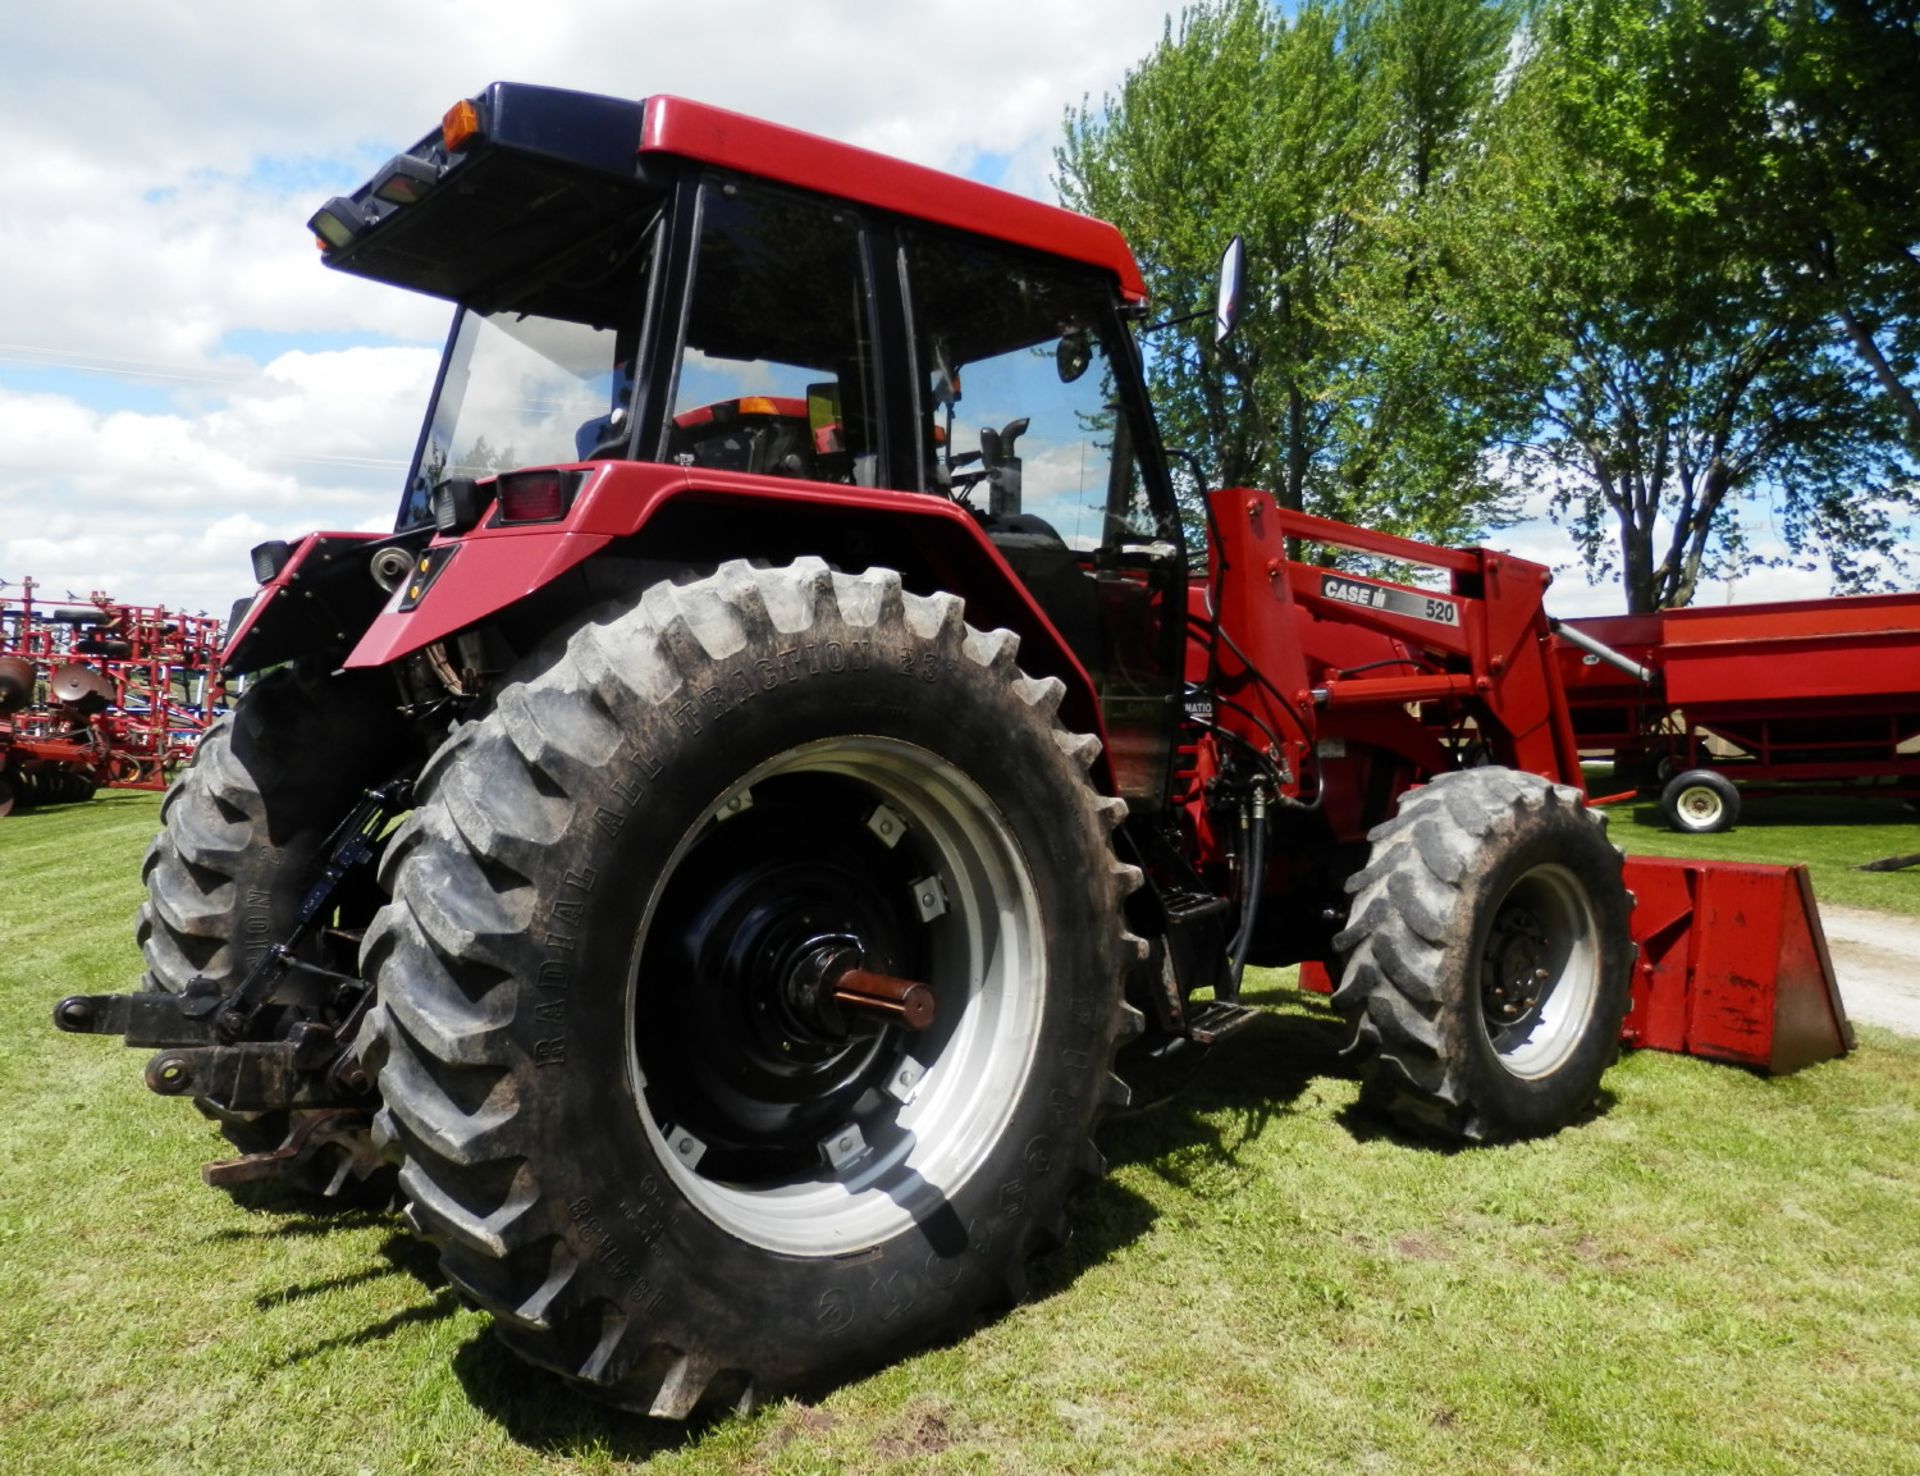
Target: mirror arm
(1170,322)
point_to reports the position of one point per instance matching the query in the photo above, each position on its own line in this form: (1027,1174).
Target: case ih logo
(1351,593)
(1397,601)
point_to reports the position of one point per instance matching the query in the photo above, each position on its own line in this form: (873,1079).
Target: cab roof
(532,172)
(710,135)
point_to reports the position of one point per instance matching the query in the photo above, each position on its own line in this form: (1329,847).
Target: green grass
(1715,1273)
(1832,835)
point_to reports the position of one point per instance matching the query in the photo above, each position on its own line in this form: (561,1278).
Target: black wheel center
(738,1037)
(1515,976)
(808,986)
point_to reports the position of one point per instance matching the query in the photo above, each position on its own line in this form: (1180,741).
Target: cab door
(1030,413)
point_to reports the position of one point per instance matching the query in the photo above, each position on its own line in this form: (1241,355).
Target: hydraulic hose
(1253,879)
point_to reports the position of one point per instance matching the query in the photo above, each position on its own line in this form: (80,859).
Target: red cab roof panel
(692,130)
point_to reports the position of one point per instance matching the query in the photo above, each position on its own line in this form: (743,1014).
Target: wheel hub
(1539,971)
(1515,980)
(836,995)
(758,1056)
(828,983)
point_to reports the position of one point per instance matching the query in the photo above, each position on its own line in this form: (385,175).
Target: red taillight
(535,497)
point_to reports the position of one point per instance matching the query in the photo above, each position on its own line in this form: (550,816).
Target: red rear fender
(663,515)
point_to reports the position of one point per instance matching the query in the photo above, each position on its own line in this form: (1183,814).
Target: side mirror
(1233,278)
(1073,355)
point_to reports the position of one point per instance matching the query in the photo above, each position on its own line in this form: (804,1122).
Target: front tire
(622,1115)
(1488,957)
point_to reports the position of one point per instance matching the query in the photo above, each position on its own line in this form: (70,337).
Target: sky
(180,379)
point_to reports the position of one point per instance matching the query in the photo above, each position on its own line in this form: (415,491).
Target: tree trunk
(1895,387)
(1294,495)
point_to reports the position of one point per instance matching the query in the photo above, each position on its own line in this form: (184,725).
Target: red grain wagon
(1821,695)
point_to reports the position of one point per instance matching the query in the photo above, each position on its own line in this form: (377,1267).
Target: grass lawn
(1715,1273)
(1788,828)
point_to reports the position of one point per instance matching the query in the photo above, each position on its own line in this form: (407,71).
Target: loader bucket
(1732,965)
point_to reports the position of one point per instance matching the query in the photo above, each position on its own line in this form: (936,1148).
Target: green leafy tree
(1688,355)
(1358,385)
(1809,110)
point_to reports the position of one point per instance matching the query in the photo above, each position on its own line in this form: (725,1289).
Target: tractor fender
(318,601)
(668,513)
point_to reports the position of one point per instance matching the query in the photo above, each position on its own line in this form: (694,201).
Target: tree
(1686,350)
(1809,110)
(1356,386)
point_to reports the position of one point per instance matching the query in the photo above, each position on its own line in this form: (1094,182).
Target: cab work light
(269,559)
(337,222)
(404,179)
(536,497)
(461,123)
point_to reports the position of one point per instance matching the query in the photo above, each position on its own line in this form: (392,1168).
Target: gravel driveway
(1876,957)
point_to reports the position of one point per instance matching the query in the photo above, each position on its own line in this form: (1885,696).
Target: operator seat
(1051,571)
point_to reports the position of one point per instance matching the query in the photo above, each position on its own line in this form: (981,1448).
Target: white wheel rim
(1699,806)
(989,977)
(1572,962)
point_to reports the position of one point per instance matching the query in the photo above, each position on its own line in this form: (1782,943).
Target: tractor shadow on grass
(1192,1110)
(1367,1125)
(1214,1100)
(545,1413)
(401,1255)
(1191,1114)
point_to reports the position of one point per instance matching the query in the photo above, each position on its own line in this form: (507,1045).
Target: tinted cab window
(776,374)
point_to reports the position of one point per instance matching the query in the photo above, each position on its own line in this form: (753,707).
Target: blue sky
(180,378)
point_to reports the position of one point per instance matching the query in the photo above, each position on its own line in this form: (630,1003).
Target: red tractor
(719,845)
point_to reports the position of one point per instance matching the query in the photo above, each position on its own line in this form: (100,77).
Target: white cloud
(161,162)
(163,507)
(164,168)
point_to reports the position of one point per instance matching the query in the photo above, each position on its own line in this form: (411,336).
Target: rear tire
(241,829)
(1700,802)
(633,1142)
(1488,957)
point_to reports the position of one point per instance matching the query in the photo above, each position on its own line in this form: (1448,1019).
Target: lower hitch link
(231,1050)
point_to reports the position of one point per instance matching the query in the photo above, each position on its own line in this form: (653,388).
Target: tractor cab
(663,283)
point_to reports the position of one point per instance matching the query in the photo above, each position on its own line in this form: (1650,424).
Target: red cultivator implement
(98,693)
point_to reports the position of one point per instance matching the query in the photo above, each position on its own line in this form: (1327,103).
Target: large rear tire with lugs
(1488,957)
(639,1127)
(241,831)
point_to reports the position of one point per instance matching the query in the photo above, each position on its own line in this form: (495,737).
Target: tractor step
(1212,1022)
(1191,907)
